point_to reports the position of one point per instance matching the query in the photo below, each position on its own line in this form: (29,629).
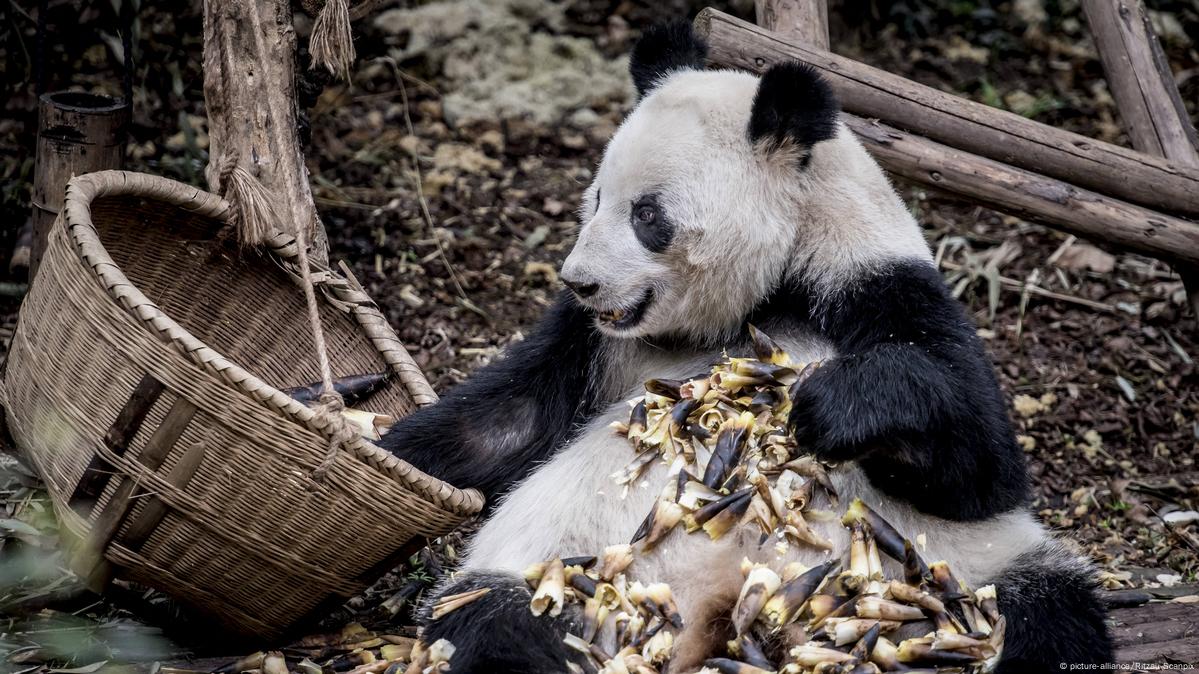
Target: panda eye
(651,224)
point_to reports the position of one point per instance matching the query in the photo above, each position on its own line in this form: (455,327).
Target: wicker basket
(143,381)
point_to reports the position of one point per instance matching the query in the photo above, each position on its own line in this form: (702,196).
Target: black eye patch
(653,229)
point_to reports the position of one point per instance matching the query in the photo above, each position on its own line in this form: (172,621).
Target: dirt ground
(1102,378)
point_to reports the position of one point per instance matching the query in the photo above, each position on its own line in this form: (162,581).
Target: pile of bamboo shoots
(353,650)
(853,621)
(724,435)
(845,621)
(732,461)
(626,627)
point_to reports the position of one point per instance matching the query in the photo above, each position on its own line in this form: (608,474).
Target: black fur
(497,633)
(793,104)
(491,430)
(911,395)
(1054,618)
(656,235)
(663,49)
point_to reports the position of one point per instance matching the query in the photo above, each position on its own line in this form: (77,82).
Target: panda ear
(794,105)
(663,49)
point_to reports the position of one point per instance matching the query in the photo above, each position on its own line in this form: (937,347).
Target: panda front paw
(497,633)
(822,418)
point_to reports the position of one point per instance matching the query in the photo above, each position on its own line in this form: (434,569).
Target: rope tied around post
(255,220)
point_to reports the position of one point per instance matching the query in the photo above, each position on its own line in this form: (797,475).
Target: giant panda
(726,199)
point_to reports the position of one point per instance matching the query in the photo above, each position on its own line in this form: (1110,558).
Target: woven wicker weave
(142,309)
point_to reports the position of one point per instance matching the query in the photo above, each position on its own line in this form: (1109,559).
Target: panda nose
(581,289)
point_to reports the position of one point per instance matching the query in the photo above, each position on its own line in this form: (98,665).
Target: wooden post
(804,20)
(249,92)
(77,133)
(1145,93)
(1119,172)
(1141,82)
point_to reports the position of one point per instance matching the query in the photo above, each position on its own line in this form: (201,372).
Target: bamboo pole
(77,133)
(1107,169)
(1145,93)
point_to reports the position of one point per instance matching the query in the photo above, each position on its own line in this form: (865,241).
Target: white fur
(744,216)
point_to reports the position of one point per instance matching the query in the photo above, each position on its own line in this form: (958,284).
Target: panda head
(717,187)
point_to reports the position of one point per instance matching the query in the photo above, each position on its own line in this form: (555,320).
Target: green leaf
(86,669)
(19,527)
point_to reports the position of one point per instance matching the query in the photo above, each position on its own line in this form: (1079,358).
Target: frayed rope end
(253,205)
(332,43)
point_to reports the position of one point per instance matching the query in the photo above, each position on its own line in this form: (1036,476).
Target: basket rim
(82,190)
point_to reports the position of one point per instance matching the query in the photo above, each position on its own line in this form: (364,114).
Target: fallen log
(1104,168)
(1029,195)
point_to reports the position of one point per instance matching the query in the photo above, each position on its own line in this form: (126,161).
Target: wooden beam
(129,420)
(804,20)
(1157,632)
(1028,194)
(1145,93)
(89,562)
(1103,168)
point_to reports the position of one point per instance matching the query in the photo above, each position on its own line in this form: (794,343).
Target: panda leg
(1054,617)
(497,633)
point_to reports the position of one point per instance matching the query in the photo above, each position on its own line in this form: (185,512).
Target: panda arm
(489,431)
(911,394)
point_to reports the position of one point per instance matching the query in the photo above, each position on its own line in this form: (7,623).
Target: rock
(1031,12)
(958,49)
(1181,517)
(1169,579)
(464,158)
(584,118)
(497,66)
(1085,257)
